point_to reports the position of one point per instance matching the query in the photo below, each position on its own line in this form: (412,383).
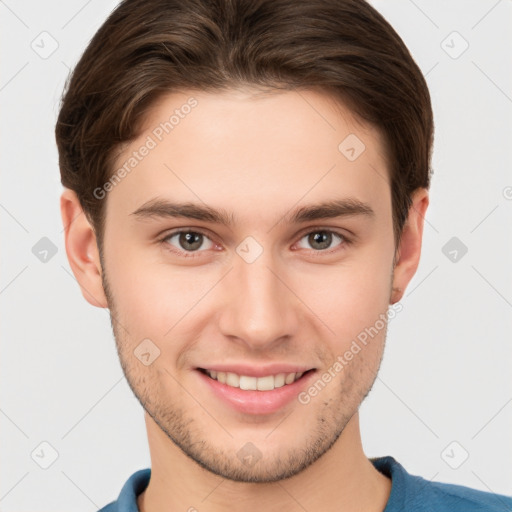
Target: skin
(258,157)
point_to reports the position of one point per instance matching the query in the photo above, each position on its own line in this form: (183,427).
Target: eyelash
(345,241)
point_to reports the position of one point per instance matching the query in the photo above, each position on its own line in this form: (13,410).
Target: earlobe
(409,250)
(82,249)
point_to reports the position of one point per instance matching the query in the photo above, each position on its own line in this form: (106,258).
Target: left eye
(189,241)
(322,239)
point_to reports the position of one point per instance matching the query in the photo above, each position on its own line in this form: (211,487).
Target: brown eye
(188,241)
(322,239)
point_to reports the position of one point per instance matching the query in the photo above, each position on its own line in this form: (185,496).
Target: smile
(266,393)
(246,382)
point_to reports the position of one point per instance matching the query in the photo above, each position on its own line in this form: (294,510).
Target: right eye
(186,241)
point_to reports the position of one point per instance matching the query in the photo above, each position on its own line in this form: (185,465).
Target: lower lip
(257,402)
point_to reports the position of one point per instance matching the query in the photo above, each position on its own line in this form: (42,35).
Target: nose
(260,309)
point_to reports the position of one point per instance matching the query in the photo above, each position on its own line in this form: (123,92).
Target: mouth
(264,394)
(252,383)
(255,389)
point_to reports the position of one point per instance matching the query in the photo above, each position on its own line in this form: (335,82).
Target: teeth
(267,383)
(247,382)
(289,378)
(263,383)
(279,380)
(232,379)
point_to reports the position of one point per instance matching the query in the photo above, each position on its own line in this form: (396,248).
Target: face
(252,278)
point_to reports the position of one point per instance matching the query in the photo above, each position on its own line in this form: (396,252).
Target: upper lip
(257,371)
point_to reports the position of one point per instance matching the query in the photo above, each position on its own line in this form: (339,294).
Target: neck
(343,479)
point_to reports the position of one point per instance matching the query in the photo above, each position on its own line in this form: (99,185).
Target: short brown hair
(147,48)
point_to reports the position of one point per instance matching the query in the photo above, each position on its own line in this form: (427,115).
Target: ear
(408,253)
(82,249)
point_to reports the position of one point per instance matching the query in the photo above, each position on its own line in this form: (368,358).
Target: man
(254,178)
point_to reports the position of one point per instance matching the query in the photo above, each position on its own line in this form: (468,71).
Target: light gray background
(446,374)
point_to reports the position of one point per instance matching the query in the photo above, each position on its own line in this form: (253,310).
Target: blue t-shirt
(409,493)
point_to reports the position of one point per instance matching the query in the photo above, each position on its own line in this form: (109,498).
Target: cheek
(351,296)
(152,297)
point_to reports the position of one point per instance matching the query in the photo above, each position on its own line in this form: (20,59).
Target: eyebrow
(162,208)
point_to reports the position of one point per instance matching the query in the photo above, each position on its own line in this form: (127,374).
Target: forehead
(270,150)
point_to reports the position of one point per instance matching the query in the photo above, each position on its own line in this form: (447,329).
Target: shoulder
(111,507)
(459,497)
(127,500)
(412,492)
